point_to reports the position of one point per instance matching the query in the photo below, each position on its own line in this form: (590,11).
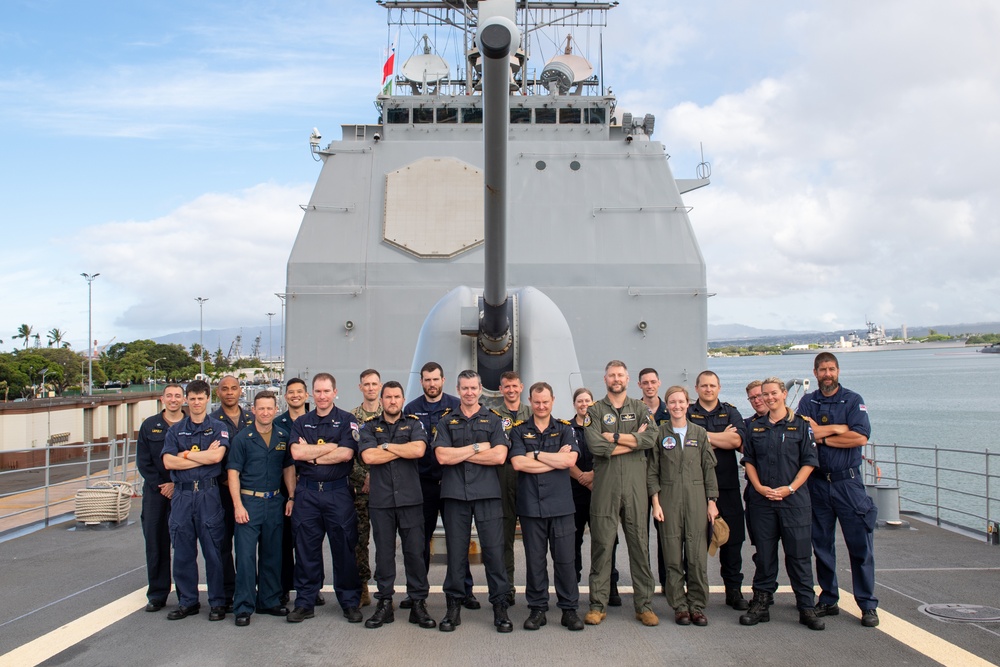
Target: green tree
(69,361)
(24,331)
(57,338)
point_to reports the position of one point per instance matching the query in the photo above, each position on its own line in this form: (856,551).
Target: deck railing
(950,486)
(38,493)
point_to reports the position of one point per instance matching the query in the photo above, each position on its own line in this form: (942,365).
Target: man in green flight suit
(619,431)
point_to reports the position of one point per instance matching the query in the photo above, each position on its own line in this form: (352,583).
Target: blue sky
(164,145)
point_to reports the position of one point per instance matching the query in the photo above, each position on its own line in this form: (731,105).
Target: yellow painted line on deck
(45,647)
(74,632)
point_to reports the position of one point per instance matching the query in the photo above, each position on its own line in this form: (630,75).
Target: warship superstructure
(436,225)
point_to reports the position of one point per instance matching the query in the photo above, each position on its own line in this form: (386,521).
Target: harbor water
(947,399)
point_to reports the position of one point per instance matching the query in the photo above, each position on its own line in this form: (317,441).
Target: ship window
(545,116)
(519,116)
(447,115)
(397,116)
(594,116)
(472,115)
(423,116)
(569,116)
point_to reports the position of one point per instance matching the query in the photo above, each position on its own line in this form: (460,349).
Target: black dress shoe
(353,615)
(320,600)
(155,605)
(869,618)
(229,606)
(299,614)
(217,614)
(242,620)
(183,612)
(471,602)
(280,610)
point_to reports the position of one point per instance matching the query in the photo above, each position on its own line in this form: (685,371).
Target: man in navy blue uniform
(429,407)
(296,395)
(257,464)
(840,424)
(324,442)
(193,451)
(470,446)
(236,418)
(391,445)
(726,433)
(779,455)
(542,450)
(157,489)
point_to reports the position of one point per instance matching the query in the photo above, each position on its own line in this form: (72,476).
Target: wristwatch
(616,437)
(475,448)
(792,489)
(384,446)
(714,500)
(536,454)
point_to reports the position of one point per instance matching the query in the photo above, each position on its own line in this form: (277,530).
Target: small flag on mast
(389,69)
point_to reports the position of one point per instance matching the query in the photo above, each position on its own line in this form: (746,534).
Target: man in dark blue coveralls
(470,445)
(157,490)
(258,462)
(840,424)
(193,452)
(428,407)
(324,442)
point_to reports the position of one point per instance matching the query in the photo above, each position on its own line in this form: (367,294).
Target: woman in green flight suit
(683,489)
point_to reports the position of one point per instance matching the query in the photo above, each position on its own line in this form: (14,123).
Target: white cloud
(231,248)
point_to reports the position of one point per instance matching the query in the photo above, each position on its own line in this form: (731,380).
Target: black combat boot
(735,599)
(535,620)
(808,618)
(453,617)
(383,614)
(419,615)
(571,621)
(614,598)
(758,611)
(500,618)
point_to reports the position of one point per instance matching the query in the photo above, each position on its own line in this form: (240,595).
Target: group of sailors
(273,487)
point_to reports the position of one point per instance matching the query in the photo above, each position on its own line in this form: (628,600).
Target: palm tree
(56,337)
(24,331)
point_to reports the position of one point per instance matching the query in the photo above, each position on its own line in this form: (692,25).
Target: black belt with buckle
(323,486)
(199,485)
(839,475)
(266,495)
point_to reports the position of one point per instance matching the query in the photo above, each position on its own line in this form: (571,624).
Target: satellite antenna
(425,67)
(565,70)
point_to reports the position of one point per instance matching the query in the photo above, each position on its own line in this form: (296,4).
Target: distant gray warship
(501,215)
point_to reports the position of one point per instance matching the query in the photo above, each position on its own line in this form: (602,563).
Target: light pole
(201,329)
(44,372)
(282,325)
(270,358)
(90,334)
(153,383)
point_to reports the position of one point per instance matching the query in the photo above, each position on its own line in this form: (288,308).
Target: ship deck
(76,597)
